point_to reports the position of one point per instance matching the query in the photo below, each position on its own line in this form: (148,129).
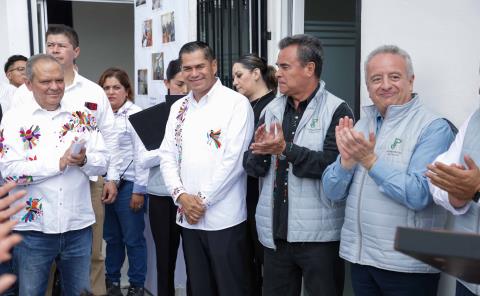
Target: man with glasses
(15,70)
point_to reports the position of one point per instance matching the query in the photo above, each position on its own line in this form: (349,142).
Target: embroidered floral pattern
(20,180)
(79,122)
(34,209)
(3,148)
(30,136)
(182,112)
(215,138)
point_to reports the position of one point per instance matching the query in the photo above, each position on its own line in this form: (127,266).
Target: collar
(124,109)
(33,107)
(303,104)
(76,80)
(203,100)
(394,111)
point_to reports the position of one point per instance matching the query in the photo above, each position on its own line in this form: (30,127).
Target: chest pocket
(311,138)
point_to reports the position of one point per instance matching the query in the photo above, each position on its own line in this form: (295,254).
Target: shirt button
(293,133)
(296,117)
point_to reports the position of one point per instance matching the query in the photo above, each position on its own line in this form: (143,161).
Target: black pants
(461,290)
(322,270)
(255,248)
(372,281)
(166,234)
(217,261)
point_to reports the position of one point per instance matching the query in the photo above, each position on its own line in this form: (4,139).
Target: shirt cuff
(343,172)
(291,151)
(379,170)
(139,189)
(206,202)
(176,194)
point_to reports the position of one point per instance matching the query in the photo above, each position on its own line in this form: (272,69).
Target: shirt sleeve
(308,163)
(97,156)
(168,153)
(410,188)
(14,163)
(452,155)
(256,165)
(141,173)
(336,181)
(148,159)
(105,121)
(237,138)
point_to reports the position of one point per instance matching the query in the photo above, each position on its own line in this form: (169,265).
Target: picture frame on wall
(168,27)
(157,66)
(147,35)
(142,81)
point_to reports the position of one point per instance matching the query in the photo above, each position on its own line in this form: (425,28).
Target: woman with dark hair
(124,219)
(255,79)
(162,210)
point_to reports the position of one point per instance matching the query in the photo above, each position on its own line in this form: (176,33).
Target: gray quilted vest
(371,218)
(311,216)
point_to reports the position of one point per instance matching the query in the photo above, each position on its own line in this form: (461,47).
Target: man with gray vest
(294,143)
(381,174)
(454,180)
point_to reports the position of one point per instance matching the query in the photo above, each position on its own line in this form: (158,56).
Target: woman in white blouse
(124,219)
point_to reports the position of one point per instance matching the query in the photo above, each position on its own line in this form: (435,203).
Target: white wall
(443,40)
(13,31)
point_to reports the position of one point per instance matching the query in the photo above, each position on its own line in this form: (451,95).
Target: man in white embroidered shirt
(201,163)
(38,153)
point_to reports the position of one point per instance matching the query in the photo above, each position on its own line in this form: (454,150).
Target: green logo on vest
(395,143)
(314,123)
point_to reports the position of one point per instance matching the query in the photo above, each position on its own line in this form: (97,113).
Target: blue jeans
(34,256)
(124,228)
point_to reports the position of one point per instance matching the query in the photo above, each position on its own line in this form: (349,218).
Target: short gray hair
(33,60)
(310,49)
(390,49)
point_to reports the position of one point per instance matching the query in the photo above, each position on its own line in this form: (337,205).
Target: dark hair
(58,29)
(121,76)
(173,69)
(252,61)
(11,60)
(309,50)
(194,46)
(33,60)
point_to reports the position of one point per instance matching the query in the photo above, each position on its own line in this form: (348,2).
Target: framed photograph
(157,4)
(157,66)
(147,33)
(142,82)
(168,27)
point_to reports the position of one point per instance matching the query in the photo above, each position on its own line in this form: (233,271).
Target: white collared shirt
(215,132)
(128,146)
(84,94)
(452,155)
(6,95)
(33,141)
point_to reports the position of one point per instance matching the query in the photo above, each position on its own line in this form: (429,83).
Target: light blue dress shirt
(410,188)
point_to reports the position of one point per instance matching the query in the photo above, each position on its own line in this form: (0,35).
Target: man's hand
(193,207)
(109,193)
(137,201)
(344,125)
(269,143)
(459,181)
(69,159)
(356,147)
(8,240)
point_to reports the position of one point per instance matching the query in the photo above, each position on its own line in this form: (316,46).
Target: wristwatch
(476,197)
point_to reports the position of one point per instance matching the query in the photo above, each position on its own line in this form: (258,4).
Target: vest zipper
(359,256)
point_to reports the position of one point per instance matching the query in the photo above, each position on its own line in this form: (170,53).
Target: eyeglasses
(19,69)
